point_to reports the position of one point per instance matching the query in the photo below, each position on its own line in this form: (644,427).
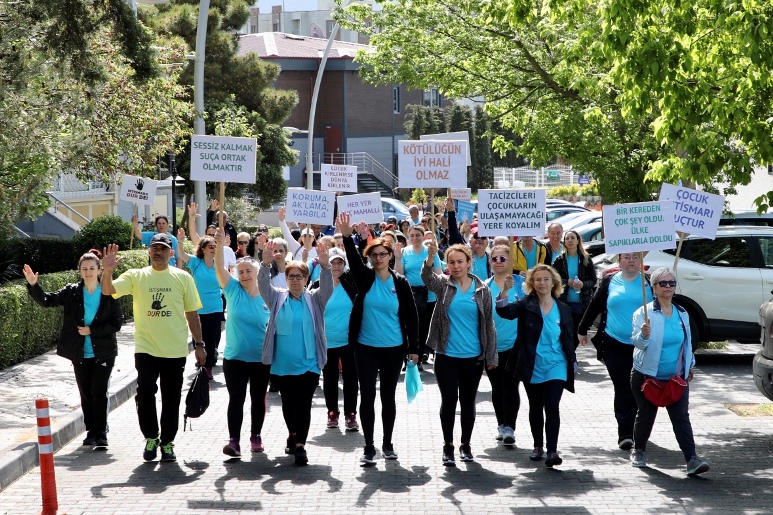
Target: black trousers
(210,332)
(330,374)
(504,392)
(618,358)
(169,371)
(458,379)
(678,412)
(297,393)
(544,399)
(383,364)
(237,375)
(93,380)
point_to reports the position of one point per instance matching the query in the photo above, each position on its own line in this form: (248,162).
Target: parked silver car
(763,362)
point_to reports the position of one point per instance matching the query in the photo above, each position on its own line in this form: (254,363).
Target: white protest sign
(511,212)
(639,226)
(452,136)
(223,159)
(460,194)
(309,206)
(695,212)
(362,208)
(339,178)
(432,164)
(138,190)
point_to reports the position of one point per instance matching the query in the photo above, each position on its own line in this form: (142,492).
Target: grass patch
(751,410)
(713,345)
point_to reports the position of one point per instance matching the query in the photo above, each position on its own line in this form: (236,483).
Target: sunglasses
(498,259)
(379,255)
(243,242)
(296,277)
(663,284)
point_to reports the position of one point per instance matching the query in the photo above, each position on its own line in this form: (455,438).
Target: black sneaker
(448,455)
(290,449)
(465,453)
(625,443)
(100,442)
(167,452)
(151,449)
(553,459)
(301,458)
(425,359)
(89,441)
(368,455)
(388,452)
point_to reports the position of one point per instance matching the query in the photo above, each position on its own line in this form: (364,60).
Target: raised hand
(193,210)
(180,235)
(362,230)
(110,259)
(268,252)
(450,202)
(281,214)
(509,282)
(219,236)
(32,277)
(431,250)
(344,224)
(398,248)
(324,255)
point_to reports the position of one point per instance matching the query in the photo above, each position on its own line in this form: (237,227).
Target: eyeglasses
(670,284)
(243,242)
(379,255)
(498,259)
(296,277)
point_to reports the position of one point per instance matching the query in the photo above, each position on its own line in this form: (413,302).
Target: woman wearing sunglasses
(202,267)
(616,299)
(578,275)
(295,345)
(383,327)
(663,349)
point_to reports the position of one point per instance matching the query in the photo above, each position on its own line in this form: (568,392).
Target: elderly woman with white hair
(662,350)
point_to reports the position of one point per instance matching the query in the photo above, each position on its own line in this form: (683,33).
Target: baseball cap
(306,231)
(337,253)
(161,239)
(474,228)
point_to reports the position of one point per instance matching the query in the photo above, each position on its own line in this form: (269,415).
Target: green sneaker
(151,448)
(167,452)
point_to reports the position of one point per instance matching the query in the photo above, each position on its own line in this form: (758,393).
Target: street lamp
(173,175)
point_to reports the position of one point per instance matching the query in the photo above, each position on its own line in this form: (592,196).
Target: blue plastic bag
(412,381)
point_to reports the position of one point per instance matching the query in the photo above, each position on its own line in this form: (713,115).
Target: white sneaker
(500,432)
(508,435)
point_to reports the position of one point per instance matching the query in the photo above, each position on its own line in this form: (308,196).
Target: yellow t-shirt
(160,302)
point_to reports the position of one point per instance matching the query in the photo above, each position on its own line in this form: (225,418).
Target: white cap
(336,253)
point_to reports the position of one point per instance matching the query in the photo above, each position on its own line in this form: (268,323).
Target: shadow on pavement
(393,478)
(471,476)
(338,440)
(155,477)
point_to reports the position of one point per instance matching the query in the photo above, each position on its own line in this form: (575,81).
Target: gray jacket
(314,299)
(439,328)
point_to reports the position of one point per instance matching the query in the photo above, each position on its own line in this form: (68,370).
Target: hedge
(28,330)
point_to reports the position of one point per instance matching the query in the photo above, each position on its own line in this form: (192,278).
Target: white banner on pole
(511,212)
(339,178)
(310,206)
(639,226)
(362,208)
(461,194)
(432,164)
(223,159)
(452,136)
(695,212)
(138,190)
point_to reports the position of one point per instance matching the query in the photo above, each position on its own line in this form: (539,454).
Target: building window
(431,97)
(396,99)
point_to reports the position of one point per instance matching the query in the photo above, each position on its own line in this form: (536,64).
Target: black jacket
(585,272)
(107,322)
(529,315)
(363,277)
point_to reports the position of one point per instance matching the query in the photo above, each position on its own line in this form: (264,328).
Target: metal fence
(547,177)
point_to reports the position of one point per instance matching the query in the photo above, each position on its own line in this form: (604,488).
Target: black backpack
(197,400)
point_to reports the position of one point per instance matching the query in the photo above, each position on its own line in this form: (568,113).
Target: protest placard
(138,190)
(511,212)
(432,164)
(339,178)
(223,159)
(695,212)
(310,206)
(639,226)
(362,208)
(464,211)
(460,193)
(452,136)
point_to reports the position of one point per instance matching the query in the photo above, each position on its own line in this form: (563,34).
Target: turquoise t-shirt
(314,269)
(412,264)
(290,357)
(624,299)
(550,362)
(507,330)
(673,336)
(245,326)
(207,286)
(555,254)
(338,310)
(480,266)
(531,256)
(380,324)
(148,235)
(572,264)
(90,306)
(463,334)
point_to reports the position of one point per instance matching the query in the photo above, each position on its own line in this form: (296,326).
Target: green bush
(44,255)
(102,231)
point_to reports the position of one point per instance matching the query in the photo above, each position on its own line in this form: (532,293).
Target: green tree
(483,155)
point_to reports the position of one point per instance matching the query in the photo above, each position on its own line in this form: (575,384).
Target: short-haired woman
(544,351)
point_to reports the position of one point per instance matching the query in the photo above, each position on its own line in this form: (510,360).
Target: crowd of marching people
(358,303)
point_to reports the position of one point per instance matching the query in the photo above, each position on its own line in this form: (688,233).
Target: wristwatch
(199,344)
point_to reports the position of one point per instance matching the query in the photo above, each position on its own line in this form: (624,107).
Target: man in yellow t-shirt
(164,299)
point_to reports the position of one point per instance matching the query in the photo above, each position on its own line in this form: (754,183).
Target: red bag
(665,393)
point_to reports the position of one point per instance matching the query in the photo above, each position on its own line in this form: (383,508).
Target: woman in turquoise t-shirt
(202,267)
(245,329)
(578,275)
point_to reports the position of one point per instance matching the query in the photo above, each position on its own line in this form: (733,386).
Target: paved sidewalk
(596,477)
